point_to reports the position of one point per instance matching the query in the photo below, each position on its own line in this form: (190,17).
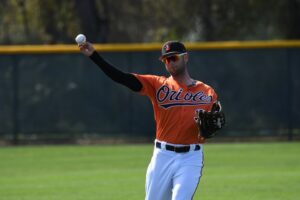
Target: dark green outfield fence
(56,92)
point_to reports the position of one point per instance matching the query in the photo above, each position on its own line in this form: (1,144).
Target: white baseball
(80,39)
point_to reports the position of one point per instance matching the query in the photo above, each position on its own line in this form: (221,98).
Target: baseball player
(186,113)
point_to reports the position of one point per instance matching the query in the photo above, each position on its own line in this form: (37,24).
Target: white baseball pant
(172,175)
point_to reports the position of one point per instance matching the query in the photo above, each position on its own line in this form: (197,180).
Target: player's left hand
(210,122)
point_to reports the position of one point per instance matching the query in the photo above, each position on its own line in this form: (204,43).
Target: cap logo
(167,47)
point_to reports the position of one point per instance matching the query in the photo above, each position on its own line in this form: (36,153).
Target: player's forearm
(127,79)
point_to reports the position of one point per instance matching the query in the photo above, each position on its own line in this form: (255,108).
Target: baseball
(80,39)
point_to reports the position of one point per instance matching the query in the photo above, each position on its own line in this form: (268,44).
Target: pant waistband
(178,149)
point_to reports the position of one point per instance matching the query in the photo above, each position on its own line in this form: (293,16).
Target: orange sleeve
(148,82)
(214,97)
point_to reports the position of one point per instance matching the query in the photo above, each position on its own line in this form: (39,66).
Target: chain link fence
(64,96)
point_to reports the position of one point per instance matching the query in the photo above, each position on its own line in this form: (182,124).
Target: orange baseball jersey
(174,106)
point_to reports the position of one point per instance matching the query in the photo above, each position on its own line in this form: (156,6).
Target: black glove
(210,122)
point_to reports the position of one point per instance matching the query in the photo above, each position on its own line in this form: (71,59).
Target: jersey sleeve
(148,84)
(210,92)
(214,96)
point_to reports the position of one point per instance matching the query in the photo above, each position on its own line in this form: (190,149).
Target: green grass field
(246,171)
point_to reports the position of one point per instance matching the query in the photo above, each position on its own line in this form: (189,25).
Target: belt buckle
(182,149)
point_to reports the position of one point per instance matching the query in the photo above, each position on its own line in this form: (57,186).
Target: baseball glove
(210,122)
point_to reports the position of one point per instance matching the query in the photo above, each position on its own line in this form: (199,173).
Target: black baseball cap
(171,48)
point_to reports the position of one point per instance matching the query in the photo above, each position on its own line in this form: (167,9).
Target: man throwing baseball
(186,113)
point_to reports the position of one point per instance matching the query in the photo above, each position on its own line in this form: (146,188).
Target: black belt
(178,149)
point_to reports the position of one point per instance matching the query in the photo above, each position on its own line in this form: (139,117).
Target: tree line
(127,21)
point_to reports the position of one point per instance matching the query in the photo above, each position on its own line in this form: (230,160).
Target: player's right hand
(87,48)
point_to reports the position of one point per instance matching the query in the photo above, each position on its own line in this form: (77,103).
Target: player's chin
(176,72)
(171,71)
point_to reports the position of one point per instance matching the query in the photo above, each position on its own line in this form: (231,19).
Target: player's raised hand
(86,48)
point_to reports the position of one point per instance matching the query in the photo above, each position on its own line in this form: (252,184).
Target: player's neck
(185,79)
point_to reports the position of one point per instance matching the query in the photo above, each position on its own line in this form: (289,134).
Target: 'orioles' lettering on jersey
(168,98)
(174,106)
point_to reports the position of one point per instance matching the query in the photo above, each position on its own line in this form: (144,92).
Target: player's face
(175,64)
